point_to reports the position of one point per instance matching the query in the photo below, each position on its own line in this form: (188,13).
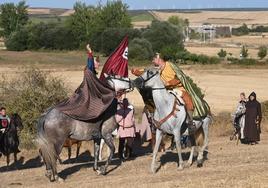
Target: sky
(154,4)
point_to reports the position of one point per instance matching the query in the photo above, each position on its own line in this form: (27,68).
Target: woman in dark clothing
(253,120)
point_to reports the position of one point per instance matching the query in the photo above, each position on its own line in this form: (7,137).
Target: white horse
(239,122)
(169,117)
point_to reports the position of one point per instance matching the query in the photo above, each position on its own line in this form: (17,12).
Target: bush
(29,95)
(18,40)
(244,52)
(244,61)
(169,52)
(140,49)
(262,52)
(243,30)
(51,36)
(222,53)
(162,34)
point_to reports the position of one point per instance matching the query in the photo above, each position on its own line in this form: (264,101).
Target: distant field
(254,41)
(233,18)
(142,17)
(213,51)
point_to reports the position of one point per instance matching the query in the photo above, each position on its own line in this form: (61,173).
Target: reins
(172,113)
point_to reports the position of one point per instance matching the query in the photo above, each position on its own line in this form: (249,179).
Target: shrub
(222,53)
(169,52)
(18,40)
(244,61)
(262,52)
(244,52)
(140,49)
(243,30)
(29,95)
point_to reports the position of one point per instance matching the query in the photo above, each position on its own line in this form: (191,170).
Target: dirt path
(229,165)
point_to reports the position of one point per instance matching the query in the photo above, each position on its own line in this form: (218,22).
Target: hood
(254,95)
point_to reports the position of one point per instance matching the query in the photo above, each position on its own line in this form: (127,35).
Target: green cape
(201,107)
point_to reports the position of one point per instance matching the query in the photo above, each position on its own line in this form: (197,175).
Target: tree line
(103,26)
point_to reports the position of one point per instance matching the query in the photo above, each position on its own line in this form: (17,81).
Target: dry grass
(229,165)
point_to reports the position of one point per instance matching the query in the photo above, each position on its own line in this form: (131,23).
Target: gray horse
(54,127)
(169,116)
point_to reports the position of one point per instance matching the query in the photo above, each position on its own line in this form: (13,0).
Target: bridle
(129,89)
(149,78)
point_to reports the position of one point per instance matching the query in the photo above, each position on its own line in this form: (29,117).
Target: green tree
(84,23)
(244,52)
(114,14)
(162,34)
(140,49)
(111,38)
(262,52)
(222,53)
(175,20)
(17,40)
(12,17)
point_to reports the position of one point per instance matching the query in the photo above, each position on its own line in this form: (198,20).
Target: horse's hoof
(60,180)
(180,168)
(101,171)
(188,165)
(153,170)
(199,164)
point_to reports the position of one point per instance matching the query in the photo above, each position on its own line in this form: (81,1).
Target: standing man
(253,120)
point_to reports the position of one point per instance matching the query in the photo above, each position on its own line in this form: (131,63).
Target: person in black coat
(253,120)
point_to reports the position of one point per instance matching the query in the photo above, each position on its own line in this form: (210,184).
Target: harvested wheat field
(233,18)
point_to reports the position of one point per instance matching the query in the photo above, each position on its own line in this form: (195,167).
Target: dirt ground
(228,165)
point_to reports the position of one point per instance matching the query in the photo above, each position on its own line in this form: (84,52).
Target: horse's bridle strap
(172,113)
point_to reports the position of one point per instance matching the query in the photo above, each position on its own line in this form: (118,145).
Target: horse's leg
(108,139)
(8,159)
(78,148)
(177,138)
(15,156)
(190,160)
(96,153)
(101,148)
(158,139)
(204,148)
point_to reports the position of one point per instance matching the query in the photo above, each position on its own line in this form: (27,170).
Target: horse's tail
(47,149)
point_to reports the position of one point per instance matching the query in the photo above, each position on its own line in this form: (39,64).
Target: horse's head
(16,122)
(119,83)
(150,78)
(241,109)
